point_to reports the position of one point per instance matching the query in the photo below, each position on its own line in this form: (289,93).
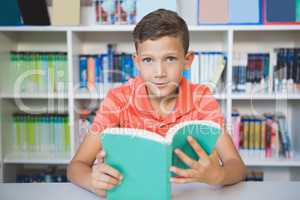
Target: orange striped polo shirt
(129,106)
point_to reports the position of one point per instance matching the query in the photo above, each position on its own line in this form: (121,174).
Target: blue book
(126,67)
(83,71)
(280,11)
(9,13)
(245,12)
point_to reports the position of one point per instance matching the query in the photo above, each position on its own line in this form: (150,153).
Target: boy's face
(160,63)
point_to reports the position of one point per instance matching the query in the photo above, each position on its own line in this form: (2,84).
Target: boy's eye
(171,59)
(147,60)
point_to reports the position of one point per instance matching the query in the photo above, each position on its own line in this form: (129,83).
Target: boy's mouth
(160,84)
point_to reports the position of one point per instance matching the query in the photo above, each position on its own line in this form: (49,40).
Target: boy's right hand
(104,177)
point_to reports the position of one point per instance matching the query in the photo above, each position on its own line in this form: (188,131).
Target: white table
(241,191)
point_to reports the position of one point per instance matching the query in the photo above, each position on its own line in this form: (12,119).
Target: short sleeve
(208,108)
(108,114)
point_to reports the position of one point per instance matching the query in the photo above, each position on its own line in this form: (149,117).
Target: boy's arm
(80,169)
(233,169)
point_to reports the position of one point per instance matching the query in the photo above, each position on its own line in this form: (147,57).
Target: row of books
(44,72)
(115,11)
(254,176)
(39,135)
(47,175)
(17,12)
(112,67)
(248,11)
(41,178)
(229,12)
(207,68)
(264,136)
(274,72)
(106,68)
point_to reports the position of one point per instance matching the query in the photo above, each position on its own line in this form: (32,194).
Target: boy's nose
(160,70)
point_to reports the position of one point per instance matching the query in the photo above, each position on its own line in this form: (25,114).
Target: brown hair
(161,23)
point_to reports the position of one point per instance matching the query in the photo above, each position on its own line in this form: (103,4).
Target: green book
(298,10)
(144,158)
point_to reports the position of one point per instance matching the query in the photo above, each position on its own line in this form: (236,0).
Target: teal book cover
(9,13)
(144,158)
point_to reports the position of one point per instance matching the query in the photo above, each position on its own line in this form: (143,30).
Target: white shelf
(129,28)
(36,161)
(35,96)
(35,28)
(265,96)
(87,95)
(272,162)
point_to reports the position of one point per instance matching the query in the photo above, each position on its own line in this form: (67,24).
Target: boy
(156,100)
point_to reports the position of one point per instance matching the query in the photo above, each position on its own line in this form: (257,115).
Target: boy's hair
(161,23)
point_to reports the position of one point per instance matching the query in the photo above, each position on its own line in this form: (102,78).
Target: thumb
(100,156)
(215,155)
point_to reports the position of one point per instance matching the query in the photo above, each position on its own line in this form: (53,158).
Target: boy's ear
(189,57)
(136,61)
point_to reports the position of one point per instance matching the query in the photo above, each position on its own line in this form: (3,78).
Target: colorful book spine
(91,76)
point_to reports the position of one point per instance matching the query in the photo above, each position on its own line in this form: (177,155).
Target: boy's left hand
(207,169)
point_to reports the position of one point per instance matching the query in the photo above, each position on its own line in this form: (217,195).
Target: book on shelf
(216,12)
(10,13)
(115,11)
(254,176)
(245,12)
(208,68)
(62,18)
(264,136)
(279,12)
(34,12)
(133,152)
(213,12)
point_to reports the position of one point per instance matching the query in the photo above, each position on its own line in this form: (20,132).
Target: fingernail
(171,180)
(172,169)
(189,138)
(121,178)
(177,151)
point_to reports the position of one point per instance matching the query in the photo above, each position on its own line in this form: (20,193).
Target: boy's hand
(207,169)
(104,177)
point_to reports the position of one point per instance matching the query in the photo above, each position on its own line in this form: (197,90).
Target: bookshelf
(93,39)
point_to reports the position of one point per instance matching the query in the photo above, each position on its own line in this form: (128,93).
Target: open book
(144,158)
